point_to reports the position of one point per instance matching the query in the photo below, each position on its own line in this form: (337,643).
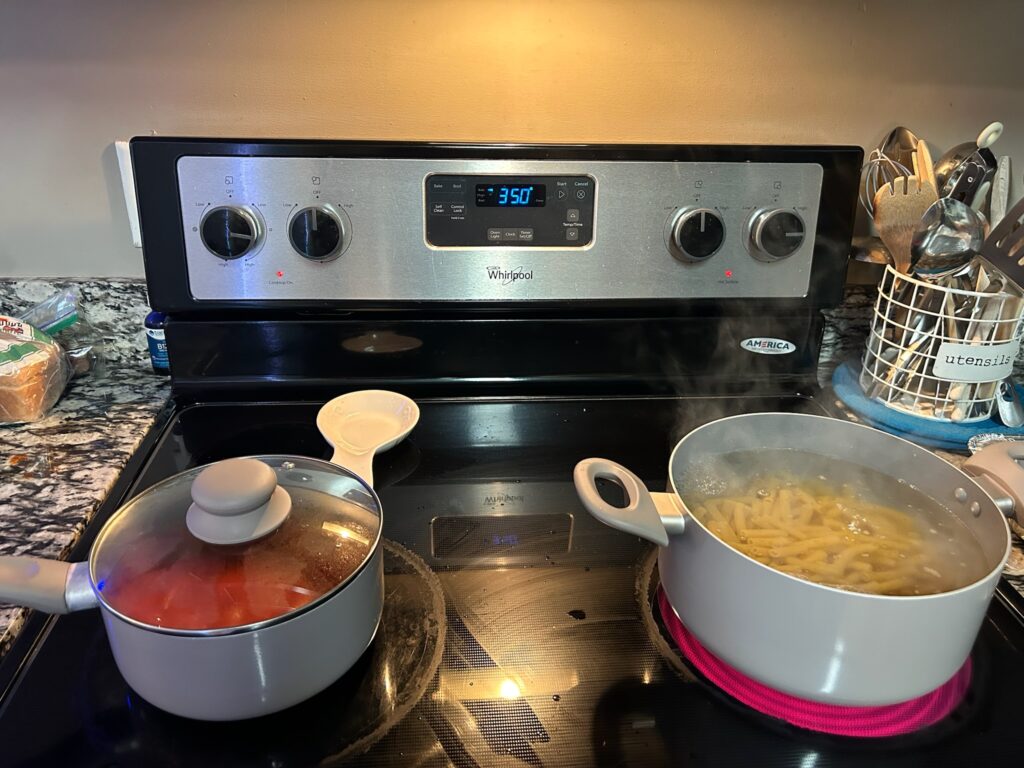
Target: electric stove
(517,630)
(543,304)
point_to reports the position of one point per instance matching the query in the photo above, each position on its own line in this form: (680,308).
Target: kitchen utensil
(899,206)
(361,424)
(981,197)
(812,641)
(966,394)
(924,168)
(947,236)
(969,179)
(892,158)
(1003,246)
(1000,191)
(870,250)
(218,631)
(900,144)
(1011,410)
(950,166)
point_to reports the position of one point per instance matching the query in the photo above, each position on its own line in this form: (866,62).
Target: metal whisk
(891,159)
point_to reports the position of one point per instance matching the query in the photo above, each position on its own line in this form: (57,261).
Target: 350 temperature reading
(510,195)
(514,195)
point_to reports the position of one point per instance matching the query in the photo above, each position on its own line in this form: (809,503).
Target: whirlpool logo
(768,346)
(509,276)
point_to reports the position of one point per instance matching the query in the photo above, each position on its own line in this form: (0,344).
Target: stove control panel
(501,211)
(404,229)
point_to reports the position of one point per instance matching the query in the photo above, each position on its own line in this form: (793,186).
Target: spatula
(1004,246)
(899,206)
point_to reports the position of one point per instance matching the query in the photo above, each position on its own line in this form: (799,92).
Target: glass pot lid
(224,547)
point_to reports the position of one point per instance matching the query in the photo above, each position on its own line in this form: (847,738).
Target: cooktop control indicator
(475,211)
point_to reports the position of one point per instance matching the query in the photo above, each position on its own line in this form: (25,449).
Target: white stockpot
(228,591)
(812,641)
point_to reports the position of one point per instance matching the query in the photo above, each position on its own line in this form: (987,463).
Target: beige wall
(76,75)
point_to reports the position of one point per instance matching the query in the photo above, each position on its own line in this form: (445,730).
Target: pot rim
(997,569)
(258,625)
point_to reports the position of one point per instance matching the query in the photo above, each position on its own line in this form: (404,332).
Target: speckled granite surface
(54,473)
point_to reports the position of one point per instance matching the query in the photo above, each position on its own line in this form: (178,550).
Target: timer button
(695,234)
(775,234)
(318,233)
(231,232)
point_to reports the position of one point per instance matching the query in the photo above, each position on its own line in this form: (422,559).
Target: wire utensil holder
(940,352)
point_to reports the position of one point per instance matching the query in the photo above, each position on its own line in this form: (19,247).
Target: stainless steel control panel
(294,229)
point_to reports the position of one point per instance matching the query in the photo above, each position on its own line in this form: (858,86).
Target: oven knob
(696,234)
(318,233)
(775,234)
(230,232)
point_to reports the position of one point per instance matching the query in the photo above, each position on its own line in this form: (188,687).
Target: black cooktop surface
(517,630)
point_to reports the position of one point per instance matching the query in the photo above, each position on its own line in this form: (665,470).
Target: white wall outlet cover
(124,164)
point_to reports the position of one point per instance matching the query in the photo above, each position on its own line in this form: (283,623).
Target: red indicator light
(728,273)
(280,273)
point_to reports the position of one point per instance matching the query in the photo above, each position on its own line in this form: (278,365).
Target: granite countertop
(55,473)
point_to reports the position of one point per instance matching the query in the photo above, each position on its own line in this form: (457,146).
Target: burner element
(858,722)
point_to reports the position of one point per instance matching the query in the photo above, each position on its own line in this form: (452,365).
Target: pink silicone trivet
(860,722)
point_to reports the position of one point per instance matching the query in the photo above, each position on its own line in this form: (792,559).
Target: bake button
(510,234)
(573,214)
(438,209)
(526,234)
(572,234)
(493,235)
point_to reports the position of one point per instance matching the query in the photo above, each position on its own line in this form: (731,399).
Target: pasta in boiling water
(842,537)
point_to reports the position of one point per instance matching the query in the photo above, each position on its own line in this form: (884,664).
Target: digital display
(511,195)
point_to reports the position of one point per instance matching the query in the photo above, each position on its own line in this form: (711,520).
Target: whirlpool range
(543,304)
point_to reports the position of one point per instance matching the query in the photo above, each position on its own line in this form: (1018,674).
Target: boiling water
(833,522)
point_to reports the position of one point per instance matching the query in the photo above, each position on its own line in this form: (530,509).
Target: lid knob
(236,500)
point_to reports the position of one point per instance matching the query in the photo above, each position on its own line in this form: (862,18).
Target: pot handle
(998,469)
(46,585)
(652,516)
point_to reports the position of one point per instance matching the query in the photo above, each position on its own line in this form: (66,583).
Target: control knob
(774,234)
(696,234)
(230,232)
(318,233)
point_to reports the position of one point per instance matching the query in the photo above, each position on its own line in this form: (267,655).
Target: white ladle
(361,424)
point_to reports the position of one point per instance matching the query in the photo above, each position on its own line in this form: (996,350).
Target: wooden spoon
(899,206)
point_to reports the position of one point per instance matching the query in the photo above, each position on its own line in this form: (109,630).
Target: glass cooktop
(517,631)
